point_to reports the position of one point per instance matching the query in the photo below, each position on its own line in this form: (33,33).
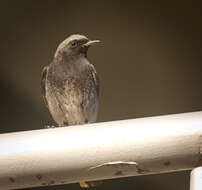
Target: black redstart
(70,85)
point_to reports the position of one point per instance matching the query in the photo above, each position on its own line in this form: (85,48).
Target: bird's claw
(49,126)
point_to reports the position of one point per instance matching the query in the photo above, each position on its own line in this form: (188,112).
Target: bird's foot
(88,184)
(49,126)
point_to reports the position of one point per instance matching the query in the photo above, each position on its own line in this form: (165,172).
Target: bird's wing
(95,78)
(43,83)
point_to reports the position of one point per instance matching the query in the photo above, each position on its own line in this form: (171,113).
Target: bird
(70,86)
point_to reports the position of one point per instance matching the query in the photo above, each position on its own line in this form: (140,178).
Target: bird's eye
(74,43)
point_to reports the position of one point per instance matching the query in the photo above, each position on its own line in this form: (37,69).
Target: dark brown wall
(149,63)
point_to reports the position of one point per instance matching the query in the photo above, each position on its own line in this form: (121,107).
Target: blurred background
(149,63)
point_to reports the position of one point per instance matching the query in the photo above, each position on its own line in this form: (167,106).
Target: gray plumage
(70,84)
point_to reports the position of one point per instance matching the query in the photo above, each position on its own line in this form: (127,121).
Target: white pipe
(100,151)
(196,179)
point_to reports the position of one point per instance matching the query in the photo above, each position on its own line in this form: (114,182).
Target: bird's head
(75,44)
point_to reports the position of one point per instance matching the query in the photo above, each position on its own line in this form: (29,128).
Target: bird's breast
(72,93)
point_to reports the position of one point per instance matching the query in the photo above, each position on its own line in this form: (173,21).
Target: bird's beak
(91,42)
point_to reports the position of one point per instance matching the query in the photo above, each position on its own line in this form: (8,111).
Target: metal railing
(101,151)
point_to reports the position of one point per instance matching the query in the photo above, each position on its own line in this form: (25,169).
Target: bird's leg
(88,184)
